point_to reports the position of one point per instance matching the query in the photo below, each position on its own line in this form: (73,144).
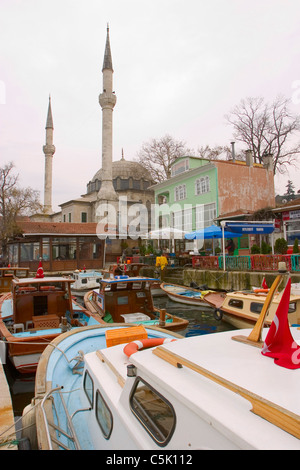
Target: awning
(259,228)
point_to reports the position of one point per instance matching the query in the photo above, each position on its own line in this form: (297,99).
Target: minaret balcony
(107,100)
(49,149)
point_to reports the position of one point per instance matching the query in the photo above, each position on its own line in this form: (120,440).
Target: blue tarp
(213,231)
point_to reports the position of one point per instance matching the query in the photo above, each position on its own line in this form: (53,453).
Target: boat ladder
(69,435)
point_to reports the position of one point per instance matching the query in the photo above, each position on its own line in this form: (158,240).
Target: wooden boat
(185,295)
(7,274)
(212,391)
(86,279)
(124,299)
(133,270)
(242,308)
(35,312)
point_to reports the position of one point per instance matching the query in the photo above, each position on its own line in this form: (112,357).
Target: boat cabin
(41,303)
(126,299)
(7,274)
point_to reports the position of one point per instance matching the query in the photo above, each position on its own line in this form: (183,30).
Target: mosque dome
(126,174)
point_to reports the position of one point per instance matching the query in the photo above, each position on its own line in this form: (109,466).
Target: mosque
(123,180)
(69,239)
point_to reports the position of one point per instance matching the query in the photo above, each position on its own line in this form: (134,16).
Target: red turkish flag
(264,285)
(279,342)
(40,271)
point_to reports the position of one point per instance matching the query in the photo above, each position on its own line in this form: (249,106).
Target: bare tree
(158,155)
(14,202)
(267,129)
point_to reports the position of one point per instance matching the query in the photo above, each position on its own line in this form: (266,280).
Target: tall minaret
(49,151)
(107,100)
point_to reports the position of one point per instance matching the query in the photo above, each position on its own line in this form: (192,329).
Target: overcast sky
(179,67)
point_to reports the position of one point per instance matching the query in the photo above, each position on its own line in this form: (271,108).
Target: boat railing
(56,437)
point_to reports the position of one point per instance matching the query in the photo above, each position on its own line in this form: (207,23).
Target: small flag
(264,285)
(40,272)
(279,342)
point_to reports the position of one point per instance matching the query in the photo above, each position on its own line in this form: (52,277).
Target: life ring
(45,288)
(139,344)
(256,291)
(218,314)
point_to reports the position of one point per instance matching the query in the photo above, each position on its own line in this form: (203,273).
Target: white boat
(185,295)
(214,391)
(85,280)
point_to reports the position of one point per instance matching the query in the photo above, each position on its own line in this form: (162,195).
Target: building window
(177,220)
(180,192)
(83,217)
(180,167)
(188,219)
(202,185)
(70,217)
(64,218)
(205,215)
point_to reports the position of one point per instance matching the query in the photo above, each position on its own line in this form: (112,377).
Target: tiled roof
(58,228)
(291,205)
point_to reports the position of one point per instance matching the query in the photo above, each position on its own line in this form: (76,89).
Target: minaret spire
(107,100)
(49,151)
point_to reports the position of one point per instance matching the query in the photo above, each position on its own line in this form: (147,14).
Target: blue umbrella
(213,231)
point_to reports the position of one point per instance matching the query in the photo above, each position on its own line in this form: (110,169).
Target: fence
(247,263)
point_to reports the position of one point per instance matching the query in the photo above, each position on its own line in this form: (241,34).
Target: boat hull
(186,295)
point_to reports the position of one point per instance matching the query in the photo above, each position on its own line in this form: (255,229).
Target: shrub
(255,250)
(281,246)
(265,248)
(296,246)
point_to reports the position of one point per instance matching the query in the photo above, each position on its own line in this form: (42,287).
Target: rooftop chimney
(267,159)
(232,151)
(249,158)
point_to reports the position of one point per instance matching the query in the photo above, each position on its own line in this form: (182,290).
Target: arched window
(180,192)
(202,185)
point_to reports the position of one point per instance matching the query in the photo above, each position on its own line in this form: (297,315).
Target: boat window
(153,411)
(136,285)
(122,300)
(292,307)
(103,415)
(255,307)
(236,303)
(84,281)
(122,285)
(88,386)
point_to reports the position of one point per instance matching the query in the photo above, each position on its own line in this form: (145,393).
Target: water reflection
(201,319)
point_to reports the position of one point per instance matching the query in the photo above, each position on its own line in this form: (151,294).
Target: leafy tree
(14,202)
(158,155)
(296,246)
(266,129)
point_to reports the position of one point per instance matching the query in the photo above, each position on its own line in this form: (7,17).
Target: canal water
(201,322)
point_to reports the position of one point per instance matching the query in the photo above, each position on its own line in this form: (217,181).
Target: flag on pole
(40,271)
(264,285)
(279,342)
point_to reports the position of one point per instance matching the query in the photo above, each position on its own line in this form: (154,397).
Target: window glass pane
(63,248)
(103,415)
(256,307)
(235,303)
(30,251)
(89,388)
(154,412)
